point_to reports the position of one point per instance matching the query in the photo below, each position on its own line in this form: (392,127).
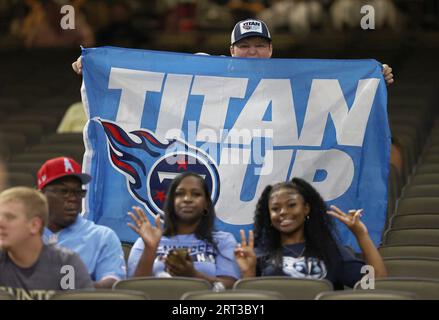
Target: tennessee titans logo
(304,268)
(150,165)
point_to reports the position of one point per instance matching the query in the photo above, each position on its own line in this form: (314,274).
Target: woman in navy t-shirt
(294,236)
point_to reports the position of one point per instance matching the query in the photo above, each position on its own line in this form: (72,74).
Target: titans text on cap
(250,28)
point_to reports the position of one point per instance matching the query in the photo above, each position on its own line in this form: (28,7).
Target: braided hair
(319,229)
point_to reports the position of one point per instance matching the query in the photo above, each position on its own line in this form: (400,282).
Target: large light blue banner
(241,124)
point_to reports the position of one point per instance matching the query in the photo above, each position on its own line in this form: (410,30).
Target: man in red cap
(61,180)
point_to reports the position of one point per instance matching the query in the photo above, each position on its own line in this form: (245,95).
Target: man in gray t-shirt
(28,268)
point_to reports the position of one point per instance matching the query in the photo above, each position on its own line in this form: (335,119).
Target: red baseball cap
(60,167)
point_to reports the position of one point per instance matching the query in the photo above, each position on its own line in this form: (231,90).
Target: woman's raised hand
(150,234)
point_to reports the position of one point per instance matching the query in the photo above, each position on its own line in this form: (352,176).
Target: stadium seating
(232,295)
(25,167)
(412,236)
(32,131)
(428,168)
(6,295)
(366,295)
(432,159)
(416,221)
(21,179)
(73,151)
(163,288)
(431,178)
(412,267)
(9,105)
(49,124)
(16,141)
(424,288)
(40,157)
(421,251)
(100,294)
(290,288)
(56,138)
(421,205)
(423,190)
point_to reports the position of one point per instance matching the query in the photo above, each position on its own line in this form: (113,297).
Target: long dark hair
(205,228)
(320,233)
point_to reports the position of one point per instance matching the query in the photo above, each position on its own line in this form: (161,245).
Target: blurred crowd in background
(135,23)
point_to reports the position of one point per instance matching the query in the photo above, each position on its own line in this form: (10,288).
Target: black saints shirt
(55,269)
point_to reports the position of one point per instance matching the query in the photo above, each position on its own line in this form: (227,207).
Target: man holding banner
(250,39)
(240,123)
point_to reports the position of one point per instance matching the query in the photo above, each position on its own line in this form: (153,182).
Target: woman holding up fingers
(295,237)
(188,246)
